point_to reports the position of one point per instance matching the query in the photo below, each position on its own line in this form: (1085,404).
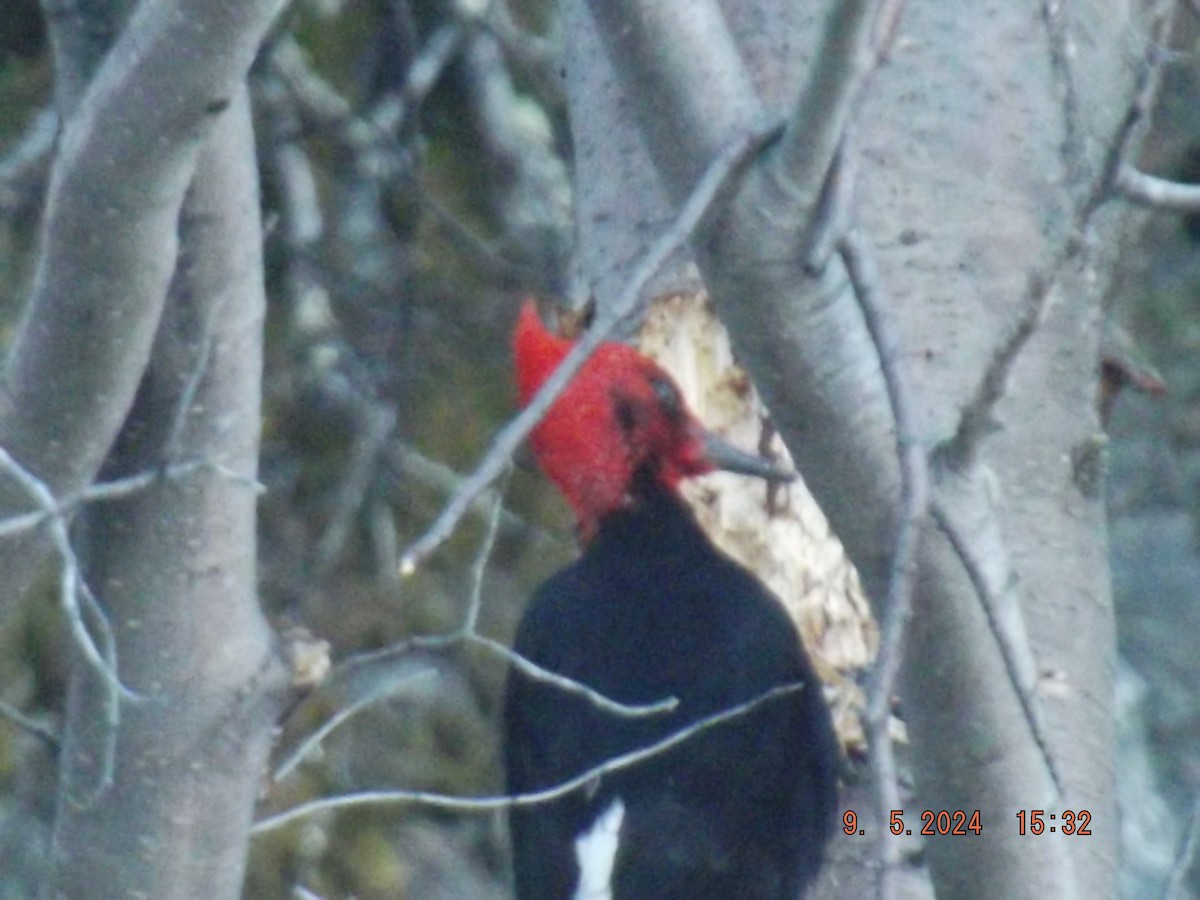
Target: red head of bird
(620,416)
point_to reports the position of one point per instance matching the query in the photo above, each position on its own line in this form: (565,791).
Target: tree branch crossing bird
(652,610)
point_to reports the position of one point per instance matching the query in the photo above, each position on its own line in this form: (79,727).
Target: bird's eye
(668,396)
(626,413)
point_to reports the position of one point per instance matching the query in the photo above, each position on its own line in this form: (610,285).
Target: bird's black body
(652,610)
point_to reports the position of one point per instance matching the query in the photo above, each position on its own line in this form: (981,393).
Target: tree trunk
(174,569)
(980,148)
(134,115)
(157,789)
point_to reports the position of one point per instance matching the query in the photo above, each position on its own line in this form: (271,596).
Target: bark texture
(134,118)
(173,567)
(978,150)
(141,350)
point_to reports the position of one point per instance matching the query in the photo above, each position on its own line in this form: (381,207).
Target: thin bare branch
(187,396)
(860,264)
(72,580)
(818,154)
(370,136)
(23,167)
(385,543)
(379,689)
(117,490)
(537,56)
(850,52)
(857,43)
(1184,872)
(439,51)
(485,552)
(437,475)
(1124,147)
(79,605)
(1071,148)
(833,216)
(537,673)
(977,421)
(377,423)
(370,677)
(1157,193)
(39,729)
(526,666)
(959,455)
(110,703)
(451,803)
(88,624)
(1006,623)
(374,149)
(321,101)
(389,672)
(723,168)
(487,255)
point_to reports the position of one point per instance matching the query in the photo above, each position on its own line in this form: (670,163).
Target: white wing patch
(596,853)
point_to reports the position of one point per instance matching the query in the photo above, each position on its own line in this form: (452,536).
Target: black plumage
(653,610)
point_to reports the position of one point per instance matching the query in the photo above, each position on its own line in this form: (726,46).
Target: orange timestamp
(1069,821)
(939,822)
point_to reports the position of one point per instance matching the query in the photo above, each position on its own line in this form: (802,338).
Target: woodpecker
(651,610)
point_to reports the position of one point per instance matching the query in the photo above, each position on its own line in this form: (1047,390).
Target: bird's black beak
(725,456)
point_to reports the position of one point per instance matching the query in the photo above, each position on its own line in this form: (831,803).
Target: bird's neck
(656,519)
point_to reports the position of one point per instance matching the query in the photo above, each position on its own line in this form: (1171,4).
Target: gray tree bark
(980,149)
(174,569)
(141,351)
(132,129)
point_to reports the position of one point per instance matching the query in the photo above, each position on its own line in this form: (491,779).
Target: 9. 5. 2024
(941,822)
